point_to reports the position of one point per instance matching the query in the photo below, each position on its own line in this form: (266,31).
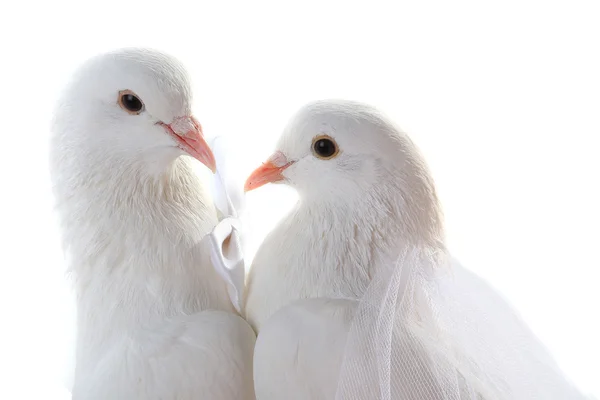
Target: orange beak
(187,132)
(270,171)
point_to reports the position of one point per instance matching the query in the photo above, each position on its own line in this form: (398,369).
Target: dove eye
(129,102)
(324,147)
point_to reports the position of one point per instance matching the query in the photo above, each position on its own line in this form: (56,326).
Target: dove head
(130,106)
(347,156)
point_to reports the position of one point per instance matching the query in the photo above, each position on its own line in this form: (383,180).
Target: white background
(503,98)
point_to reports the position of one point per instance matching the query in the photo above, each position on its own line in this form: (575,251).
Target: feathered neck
(134,239)
(399,210)
(125,201)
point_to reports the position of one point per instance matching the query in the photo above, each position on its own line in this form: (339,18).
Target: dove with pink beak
(154,317)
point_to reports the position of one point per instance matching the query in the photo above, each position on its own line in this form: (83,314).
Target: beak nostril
(186,132)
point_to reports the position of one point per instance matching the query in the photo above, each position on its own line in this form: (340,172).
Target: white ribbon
(226,251)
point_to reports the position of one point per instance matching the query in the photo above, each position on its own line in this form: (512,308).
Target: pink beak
(187,132)
(270,171)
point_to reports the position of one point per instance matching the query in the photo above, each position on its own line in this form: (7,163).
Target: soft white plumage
(354,295)
(349,208)
(154,319)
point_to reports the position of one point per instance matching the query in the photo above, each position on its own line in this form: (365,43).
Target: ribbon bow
(226,251)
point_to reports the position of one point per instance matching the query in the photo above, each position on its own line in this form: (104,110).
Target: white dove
(348,293)
(154,319)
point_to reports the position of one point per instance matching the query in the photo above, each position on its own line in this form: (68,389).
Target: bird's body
(154,320)
(305,314)
(353,293)
(300,349)
(300,354)
(287,266)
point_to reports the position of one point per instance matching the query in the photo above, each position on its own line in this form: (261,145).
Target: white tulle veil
(428,329)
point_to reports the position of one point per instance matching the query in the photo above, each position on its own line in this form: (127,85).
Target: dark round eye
(130,102)
(325,147)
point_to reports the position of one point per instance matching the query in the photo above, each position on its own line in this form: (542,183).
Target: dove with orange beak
(354,294)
